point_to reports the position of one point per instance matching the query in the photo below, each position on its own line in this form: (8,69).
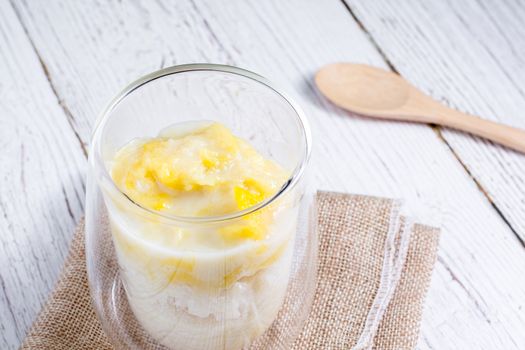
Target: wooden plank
(471,55)
(42,181)
(91,51)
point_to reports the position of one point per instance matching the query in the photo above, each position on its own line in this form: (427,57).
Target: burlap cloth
(374,270)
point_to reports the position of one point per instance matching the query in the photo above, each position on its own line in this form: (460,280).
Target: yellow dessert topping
(207,171)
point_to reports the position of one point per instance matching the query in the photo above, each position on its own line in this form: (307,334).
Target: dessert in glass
(199,233)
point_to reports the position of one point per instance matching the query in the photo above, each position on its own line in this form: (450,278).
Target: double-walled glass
(150,293)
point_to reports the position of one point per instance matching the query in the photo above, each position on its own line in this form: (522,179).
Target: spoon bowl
(362,88)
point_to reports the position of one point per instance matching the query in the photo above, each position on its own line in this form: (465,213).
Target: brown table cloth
(374,270)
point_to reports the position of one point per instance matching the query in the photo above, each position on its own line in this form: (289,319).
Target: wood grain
(470,55)
(91,50)
(41,181)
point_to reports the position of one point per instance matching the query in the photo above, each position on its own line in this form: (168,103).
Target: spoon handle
(505,135)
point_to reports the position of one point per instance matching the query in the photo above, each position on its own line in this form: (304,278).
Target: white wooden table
(61,60)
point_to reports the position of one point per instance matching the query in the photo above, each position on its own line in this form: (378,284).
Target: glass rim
(295,177)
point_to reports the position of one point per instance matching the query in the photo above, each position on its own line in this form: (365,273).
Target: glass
(149,294)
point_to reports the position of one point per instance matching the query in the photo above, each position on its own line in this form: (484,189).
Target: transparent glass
(151,294)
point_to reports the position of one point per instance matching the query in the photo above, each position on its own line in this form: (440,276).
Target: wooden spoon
(379,93)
